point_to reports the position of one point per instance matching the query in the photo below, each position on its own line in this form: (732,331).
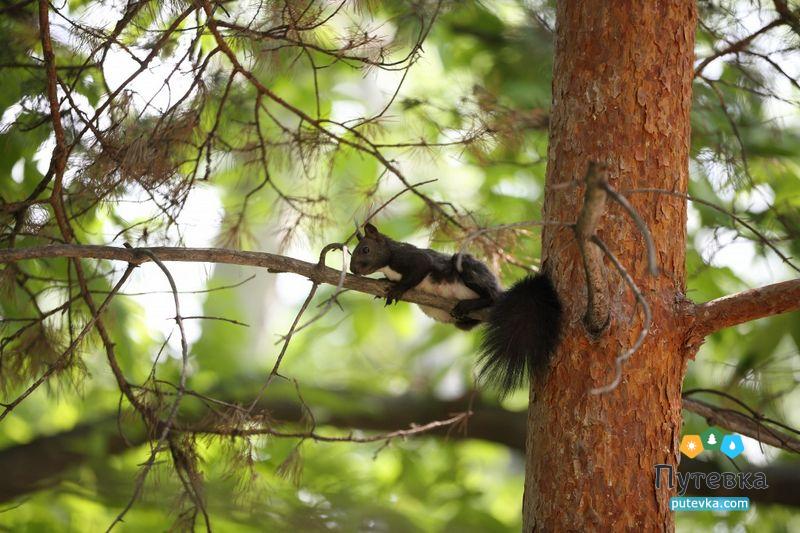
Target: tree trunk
(621,98)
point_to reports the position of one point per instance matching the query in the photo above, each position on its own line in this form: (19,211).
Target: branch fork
(593,250)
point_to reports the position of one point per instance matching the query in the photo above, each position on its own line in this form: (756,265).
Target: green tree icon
(711,438)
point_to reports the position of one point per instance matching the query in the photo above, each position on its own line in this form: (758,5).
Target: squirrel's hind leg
(465,307)
(486,298)
(466,323)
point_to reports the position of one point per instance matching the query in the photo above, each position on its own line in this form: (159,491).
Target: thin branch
(167,425)
(648,318)
(652,262)
(738,46)
(286,339)
(739,220)
(62,361)
(196,291)
(394,197)
(786,13)
(220,318)
(294,327)
(400,433)
(751,425)
(339,286)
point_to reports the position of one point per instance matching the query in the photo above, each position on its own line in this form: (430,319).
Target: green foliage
(486,67)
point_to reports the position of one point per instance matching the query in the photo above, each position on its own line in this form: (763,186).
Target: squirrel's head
(372,252)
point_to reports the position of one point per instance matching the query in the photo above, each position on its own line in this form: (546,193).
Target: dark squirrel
(524,322)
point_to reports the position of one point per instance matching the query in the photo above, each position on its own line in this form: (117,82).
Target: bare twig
(394,197)
(339,286)
(648,317)
(220,318)
(294,327)
(752,424)
(738,46)
(196,291)
(652,262)
(739,220)
(400,433)
(167,425)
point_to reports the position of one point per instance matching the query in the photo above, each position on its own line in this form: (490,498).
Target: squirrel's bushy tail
(521,333)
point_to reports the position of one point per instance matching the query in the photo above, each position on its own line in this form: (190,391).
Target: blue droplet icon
(732,445)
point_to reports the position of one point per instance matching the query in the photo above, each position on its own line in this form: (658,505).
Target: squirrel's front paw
(393,295)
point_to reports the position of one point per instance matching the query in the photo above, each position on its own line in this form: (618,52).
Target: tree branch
(743,424)
(745,306)
(40,463)
(272,262)
(783,478)
(597,314)
(738,46)
(64,359)
(646,322)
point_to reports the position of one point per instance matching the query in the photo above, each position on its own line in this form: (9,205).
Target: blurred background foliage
(484,75)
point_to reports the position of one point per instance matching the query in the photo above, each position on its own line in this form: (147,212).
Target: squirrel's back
(521,334)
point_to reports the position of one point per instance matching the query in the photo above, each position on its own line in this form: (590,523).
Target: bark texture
(621,98)
(744,307)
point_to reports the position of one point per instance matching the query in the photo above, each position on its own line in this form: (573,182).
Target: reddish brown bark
(621,98)
(745,306)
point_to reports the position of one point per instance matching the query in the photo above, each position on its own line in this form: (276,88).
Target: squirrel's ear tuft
(371,230)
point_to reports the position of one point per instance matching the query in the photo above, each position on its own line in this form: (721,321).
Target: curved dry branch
(641,225)
(167,425)
(648,319)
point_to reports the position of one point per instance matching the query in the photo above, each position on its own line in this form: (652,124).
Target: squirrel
(524,322)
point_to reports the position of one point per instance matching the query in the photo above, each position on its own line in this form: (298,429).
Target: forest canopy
(139,391)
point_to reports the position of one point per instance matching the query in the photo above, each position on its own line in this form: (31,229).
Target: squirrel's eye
(365,250)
